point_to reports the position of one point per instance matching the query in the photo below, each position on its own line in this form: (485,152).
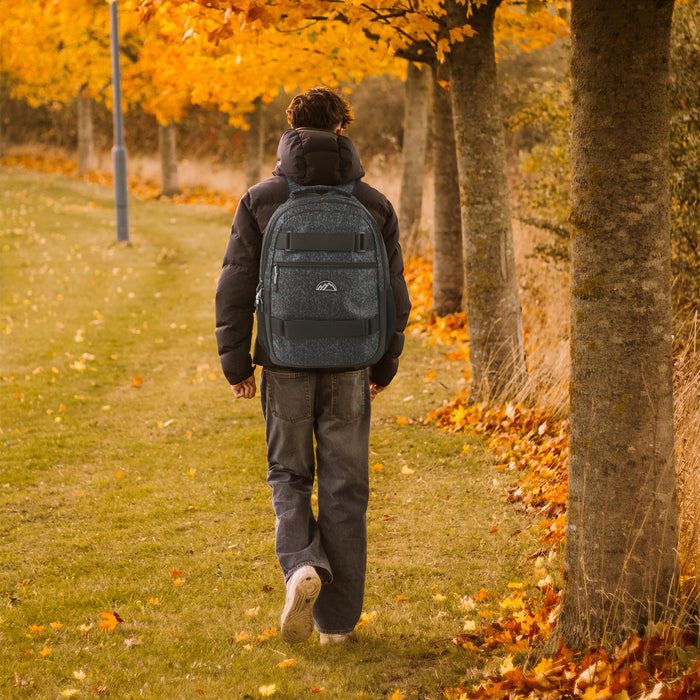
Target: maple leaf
(267,690)
(45,652)
(36,628)
(110,620)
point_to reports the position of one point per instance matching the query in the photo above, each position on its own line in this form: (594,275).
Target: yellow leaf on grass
(397,695)
(242,636)
(55,625)
(110,620)
(366,618)
(70,692)
(287,663)
(407,471)
(45,651)
(507,665)
(267,690)
(378,466)
(36,628)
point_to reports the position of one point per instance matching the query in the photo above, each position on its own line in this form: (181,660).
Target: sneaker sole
(297,618)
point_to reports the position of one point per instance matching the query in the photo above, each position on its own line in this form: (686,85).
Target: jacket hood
(317,157)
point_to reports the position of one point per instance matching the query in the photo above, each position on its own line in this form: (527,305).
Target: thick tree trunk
(492,303)
(167,137)
(87,159)
(415,137)
(620,565)
(448,265)
(255,144)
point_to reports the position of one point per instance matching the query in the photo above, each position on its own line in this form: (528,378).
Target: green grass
(125,459)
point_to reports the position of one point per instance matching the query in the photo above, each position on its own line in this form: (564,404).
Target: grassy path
(131,482)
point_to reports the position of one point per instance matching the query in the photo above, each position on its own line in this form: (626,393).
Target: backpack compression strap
(325,329)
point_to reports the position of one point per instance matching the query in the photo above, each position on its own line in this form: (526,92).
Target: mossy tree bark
(255,144)
(492,302)
(448,266)
(167,139)
(415,139)
(621,568)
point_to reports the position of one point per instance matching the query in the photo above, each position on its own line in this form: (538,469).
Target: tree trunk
(415,137)
(255,145)
(448,266)
(86,140)
(492,303)
(167,136)
(621,568)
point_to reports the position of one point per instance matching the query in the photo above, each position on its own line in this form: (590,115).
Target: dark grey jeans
(333,408)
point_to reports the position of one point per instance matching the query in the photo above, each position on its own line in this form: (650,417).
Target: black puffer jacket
(309,157)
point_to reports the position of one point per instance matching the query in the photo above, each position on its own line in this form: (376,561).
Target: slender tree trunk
(415,137)
(86,139)
(167,137)
(621,564)
(492,303)
(255,144)
(448,266)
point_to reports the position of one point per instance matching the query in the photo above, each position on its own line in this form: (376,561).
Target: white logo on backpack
(326,286)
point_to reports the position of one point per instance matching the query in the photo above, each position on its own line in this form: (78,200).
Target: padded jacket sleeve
(384,371)
(235,294)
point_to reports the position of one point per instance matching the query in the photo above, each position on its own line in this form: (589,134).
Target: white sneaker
(303,588)
(333,638)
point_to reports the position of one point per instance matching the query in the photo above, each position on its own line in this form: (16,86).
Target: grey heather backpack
(324,298)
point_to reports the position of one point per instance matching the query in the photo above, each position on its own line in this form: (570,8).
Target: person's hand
(374,389)
(244,389)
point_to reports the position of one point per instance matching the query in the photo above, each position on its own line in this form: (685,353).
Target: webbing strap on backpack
(328,329)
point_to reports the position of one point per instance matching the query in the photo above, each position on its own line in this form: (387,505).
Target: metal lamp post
(119,150)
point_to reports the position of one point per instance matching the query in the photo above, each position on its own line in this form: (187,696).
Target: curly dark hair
(319,108)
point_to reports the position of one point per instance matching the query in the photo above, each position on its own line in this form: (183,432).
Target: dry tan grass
(687,423)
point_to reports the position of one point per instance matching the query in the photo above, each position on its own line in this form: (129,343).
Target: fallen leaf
(287,663)
(35,629)
(176,573)
(70,692)
(407,471)
(110,620)
(267,690)
(45,651)
(55,625)
(397,695)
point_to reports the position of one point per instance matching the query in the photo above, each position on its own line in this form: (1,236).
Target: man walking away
(323,558)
